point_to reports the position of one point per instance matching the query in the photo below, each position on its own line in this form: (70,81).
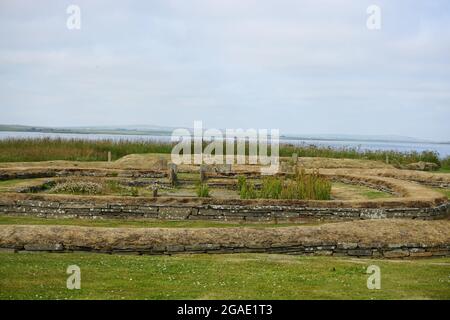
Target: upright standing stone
(203,170)
(162,163)
(173,174)
(173,166)
(295,158)
(284,167)
(226,168)
(222,168)
(109,156)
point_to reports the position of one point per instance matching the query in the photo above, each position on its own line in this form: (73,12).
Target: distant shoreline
(443,150)
(168,132)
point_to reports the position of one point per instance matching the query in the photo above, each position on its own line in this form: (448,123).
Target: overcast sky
(309,67)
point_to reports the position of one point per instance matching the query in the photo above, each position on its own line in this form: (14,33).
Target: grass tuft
(202,190)
(301,186)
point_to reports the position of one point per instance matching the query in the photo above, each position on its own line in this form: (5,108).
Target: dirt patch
(332,163)
(410,175)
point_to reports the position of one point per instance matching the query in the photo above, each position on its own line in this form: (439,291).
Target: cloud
(301,66)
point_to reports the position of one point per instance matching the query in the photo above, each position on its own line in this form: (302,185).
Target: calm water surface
(442,149)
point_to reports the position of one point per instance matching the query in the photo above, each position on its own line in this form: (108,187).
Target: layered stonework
(371,239)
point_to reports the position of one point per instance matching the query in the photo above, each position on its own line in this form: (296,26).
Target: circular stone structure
(372,234)
(409,199)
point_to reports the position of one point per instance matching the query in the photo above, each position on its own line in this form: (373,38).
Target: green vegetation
(202,190)
(241,183)
(43,149)
(300,186)
(144,223)
(10,183)
(272,188)
(113,187)
(353,190)
(134,191)
(78,187)
(394,157)
(374,194)
(83,186)
(246,189)
(445,192)
(6,185)
(238,276)
(445,164)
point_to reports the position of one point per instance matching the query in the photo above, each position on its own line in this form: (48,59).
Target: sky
(303,67)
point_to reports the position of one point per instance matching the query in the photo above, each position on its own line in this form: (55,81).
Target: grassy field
(445,192)
(143,223)
(21,150)
(349,191)
(310,186)
(238,276)
(6,184)
(17,150)
(445,165)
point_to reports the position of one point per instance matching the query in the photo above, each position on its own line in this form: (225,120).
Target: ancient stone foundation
(336,239)
(92,209)
(321,249)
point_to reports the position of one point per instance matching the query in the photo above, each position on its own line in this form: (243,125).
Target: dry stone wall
(320,249)
(94,209)
(234,240)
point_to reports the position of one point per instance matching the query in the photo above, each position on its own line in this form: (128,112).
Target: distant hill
(364,138)
(90,130)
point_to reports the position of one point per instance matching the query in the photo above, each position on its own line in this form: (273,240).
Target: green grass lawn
(445,192)
(6,185)
(238,276)
(375,194)
(12,182)
(361,191)
(143,223)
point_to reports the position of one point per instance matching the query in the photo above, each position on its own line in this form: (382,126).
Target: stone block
(195,248)
(175,248)
(423,254)
(396,253)
(359,252)
(177,213)
(323,252)
(347,246)
(44,247)
(440,253)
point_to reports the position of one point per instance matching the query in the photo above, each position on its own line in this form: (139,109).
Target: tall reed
(42,149)
(300,186)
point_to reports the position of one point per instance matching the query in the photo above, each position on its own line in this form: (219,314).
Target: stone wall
(390,251)
(172,211)
(29,173)
(400,238)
